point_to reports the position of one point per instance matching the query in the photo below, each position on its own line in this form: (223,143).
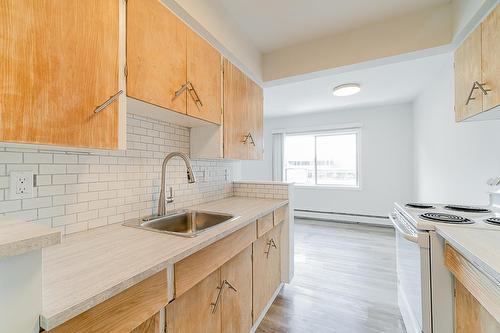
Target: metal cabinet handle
(180,91)
(270,243)
(110,100)
(219,294)
(194,94)
(248,136)
(217,300)
(230,286)
(477,85)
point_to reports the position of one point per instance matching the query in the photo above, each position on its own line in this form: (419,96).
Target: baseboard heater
(342,217)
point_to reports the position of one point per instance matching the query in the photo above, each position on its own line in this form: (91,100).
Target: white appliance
(425,286)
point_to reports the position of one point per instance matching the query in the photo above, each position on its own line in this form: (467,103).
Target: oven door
(413,271)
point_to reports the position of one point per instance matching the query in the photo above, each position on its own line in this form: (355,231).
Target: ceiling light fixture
(346,89)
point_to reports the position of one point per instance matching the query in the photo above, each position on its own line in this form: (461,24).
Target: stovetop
(426,216)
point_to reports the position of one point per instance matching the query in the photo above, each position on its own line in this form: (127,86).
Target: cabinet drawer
(123,312)
(280,214)
(193,269)
(264,224)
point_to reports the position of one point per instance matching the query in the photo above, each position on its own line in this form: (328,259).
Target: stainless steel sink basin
(185,223)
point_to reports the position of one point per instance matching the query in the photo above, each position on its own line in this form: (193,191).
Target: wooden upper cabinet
(235,112)
(156,54)
(477,66)
(236,304)
(491,58)
(256,121)
(243,115)
(59,60)
(468,71)
(204,72)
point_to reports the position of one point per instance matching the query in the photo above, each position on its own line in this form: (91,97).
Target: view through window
(329,159)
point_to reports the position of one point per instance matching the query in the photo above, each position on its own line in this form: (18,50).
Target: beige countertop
(90,267)
(18,237)
(480,246)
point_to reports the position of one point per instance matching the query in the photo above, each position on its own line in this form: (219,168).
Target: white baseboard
(266,308)
(341,217)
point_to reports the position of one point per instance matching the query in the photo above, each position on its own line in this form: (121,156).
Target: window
(324,159)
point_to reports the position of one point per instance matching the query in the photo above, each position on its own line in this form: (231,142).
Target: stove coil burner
(467,209)
(419,205)
(446,218)
(493,220)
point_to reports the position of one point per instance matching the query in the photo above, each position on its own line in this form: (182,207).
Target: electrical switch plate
(21,184)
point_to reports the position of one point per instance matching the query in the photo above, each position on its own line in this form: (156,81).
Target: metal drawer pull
(108,102)
(477,85)
(217,300)
(248,136)
(270,244)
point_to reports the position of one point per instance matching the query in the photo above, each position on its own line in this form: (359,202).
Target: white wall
(386,161)
(222,31)
(452,160)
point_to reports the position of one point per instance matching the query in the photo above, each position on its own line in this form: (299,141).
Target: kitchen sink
(185,223)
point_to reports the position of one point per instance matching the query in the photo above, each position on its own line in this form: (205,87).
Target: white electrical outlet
(21,184)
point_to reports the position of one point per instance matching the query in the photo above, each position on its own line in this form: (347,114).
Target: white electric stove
(425,286)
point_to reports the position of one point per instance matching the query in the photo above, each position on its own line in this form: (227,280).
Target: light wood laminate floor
(345,281)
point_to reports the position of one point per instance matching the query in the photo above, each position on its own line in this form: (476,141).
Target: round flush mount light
(346,89)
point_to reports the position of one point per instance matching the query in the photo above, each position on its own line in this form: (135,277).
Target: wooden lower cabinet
(236,306)
(152,325)
(470,315)
(195,311)
(266,269)
(222,302)
(133,310)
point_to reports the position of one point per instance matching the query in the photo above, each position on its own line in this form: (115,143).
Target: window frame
(326,132)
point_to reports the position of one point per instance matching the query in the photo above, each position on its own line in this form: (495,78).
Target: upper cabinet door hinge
(125,71)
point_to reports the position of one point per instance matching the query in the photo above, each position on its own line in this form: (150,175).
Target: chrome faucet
(190,177)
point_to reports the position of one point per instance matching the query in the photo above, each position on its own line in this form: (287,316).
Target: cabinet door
(235,112)
(255,120)
(58,62)
(152,325)
(236,304)
(205,74)
(491,58)
(266,269)
(467,71)
(193,311)
(156,54)
(470,315)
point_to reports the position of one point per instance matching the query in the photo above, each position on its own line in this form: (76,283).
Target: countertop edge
(50,321)
(489,271)
(29,244)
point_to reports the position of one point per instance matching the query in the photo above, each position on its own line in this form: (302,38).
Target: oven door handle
(407,233)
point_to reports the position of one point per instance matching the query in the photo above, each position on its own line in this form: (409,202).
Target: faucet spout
(190,178)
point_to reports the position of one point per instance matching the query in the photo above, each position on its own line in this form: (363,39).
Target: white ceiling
(388,84)
(274,24)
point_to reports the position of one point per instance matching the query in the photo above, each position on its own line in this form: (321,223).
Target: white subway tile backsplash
(9,157)
(37,202)
(44,191)
(37,158)
(50,212)
(52,169)
(65,159)
(81,190)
